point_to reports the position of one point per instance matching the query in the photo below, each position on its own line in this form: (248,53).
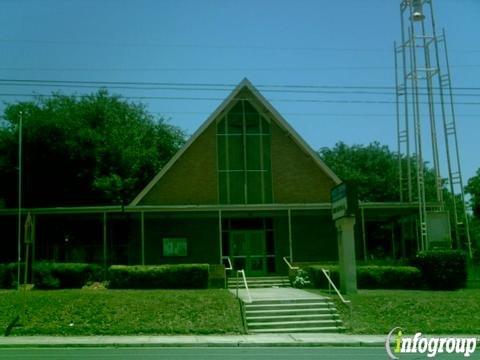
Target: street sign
(344,201)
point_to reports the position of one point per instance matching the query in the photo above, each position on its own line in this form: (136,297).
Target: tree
(95,149)
(374,169)
(473,188)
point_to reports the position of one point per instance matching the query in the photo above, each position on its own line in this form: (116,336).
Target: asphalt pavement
(211,353)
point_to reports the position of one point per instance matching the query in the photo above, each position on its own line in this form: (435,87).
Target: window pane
(235,153)
(270,243)
(271,264)
(225,243)
(253,152)
(267,183)
(235,119)
(254,187)
(252,119)
(256,243)
(237,188)
(222,187)
(266,152)
(221,152)
(221,126)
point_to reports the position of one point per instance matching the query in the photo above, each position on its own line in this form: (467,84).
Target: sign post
(344,205)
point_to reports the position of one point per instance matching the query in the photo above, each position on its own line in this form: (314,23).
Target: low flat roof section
(163,208)
(65,210)
(381,211)
(239,207)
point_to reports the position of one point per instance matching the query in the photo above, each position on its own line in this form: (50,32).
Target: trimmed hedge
(389,277)
(216,277)
(48,275)
(442,269)
(65,275)
(7,278)
(184,276)
(370,277)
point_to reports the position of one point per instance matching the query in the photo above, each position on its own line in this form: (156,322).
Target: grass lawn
(121,312)
(428,312)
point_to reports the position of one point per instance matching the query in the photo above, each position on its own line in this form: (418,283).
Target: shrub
(301,280)
(5,282)
(388,277)
(48,275)
(9,274)
(442,269)
(318,279)
(370,277)
(216,277)
(184,276)
(64,275)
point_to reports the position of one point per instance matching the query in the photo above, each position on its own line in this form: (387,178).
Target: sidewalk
(297,340)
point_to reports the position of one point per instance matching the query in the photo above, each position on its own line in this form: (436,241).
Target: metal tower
(424,104)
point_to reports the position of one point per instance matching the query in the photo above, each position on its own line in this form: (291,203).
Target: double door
(248,251)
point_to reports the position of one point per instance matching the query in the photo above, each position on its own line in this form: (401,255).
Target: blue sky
(321,43)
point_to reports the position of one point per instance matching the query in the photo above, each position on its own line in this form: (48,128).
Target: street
(212,353)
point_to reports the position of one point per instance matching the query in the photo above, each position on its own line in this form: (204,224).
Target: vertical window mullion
(262,167)
(244,130)
(227,161)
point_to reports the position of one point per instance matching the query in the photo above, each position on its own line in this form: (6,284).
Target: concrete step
(263,282)
(259,285)
(285,318)
(259,282)
(292,301)
(326,329)
(292,324)
(290,306)
(319,310)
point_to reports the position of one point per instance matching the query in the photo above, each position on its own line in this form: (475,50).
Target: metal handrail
(290,265)
(230,266)
(346,302)
(245,283)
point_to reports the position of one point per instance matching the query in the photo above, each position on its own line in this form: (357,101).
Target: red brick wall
(192,180)
(296,176)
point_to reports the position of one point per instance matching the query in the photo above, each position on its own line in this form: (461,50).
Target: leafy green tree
(473,188)
(374,169)
(95,149)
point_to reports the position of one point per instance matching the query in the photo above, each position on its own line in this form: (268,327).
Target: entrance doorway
(248,251)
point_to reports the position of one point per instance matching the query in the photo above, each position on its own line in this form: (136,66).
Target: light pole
(19,239)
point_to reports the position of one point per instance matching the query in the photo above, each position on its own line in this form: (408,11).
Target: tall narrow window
(244,166)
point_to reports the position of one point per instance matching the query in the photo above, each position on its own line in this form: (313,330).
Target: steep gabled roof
(281,122)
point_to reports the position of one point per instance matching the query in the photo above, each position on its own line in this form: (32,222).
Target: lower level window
(174,247)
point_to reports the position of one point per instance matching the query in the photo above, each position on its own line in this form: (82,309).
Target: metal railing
(290,266)
(230,266)
(249,297)
(331,284)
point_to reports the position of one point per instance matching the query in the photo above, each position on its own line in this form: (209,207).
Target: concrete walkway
(297,340)
(280,293)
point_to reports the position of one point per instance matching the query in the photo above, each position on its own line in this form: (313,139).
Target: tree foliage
(95,149)
(473,188)
(374,169)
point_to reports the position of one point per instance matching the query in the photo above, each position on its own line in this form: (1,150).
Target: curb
(193,345)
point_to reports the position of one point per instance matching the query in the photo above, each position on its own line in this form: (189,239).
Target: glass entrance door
(248,251)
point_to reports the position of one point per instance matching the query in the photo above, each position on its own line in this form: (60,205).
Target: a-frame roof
(281,122)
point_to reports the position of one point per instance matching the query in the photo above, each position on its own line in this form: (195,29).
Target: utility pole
(19,239)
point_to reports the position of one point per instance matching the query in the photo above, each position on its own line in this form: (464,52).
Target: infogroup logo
(430,346)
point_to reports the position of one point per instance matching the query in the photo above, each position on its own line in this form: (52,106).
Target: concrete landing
(276,294)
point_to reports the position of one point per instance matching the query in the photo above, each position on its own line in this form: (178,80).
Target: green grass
(428,312)
(121,312)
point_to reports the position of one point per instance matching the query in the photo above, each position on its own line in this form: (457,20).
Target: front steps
(315,315)
(259,282)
